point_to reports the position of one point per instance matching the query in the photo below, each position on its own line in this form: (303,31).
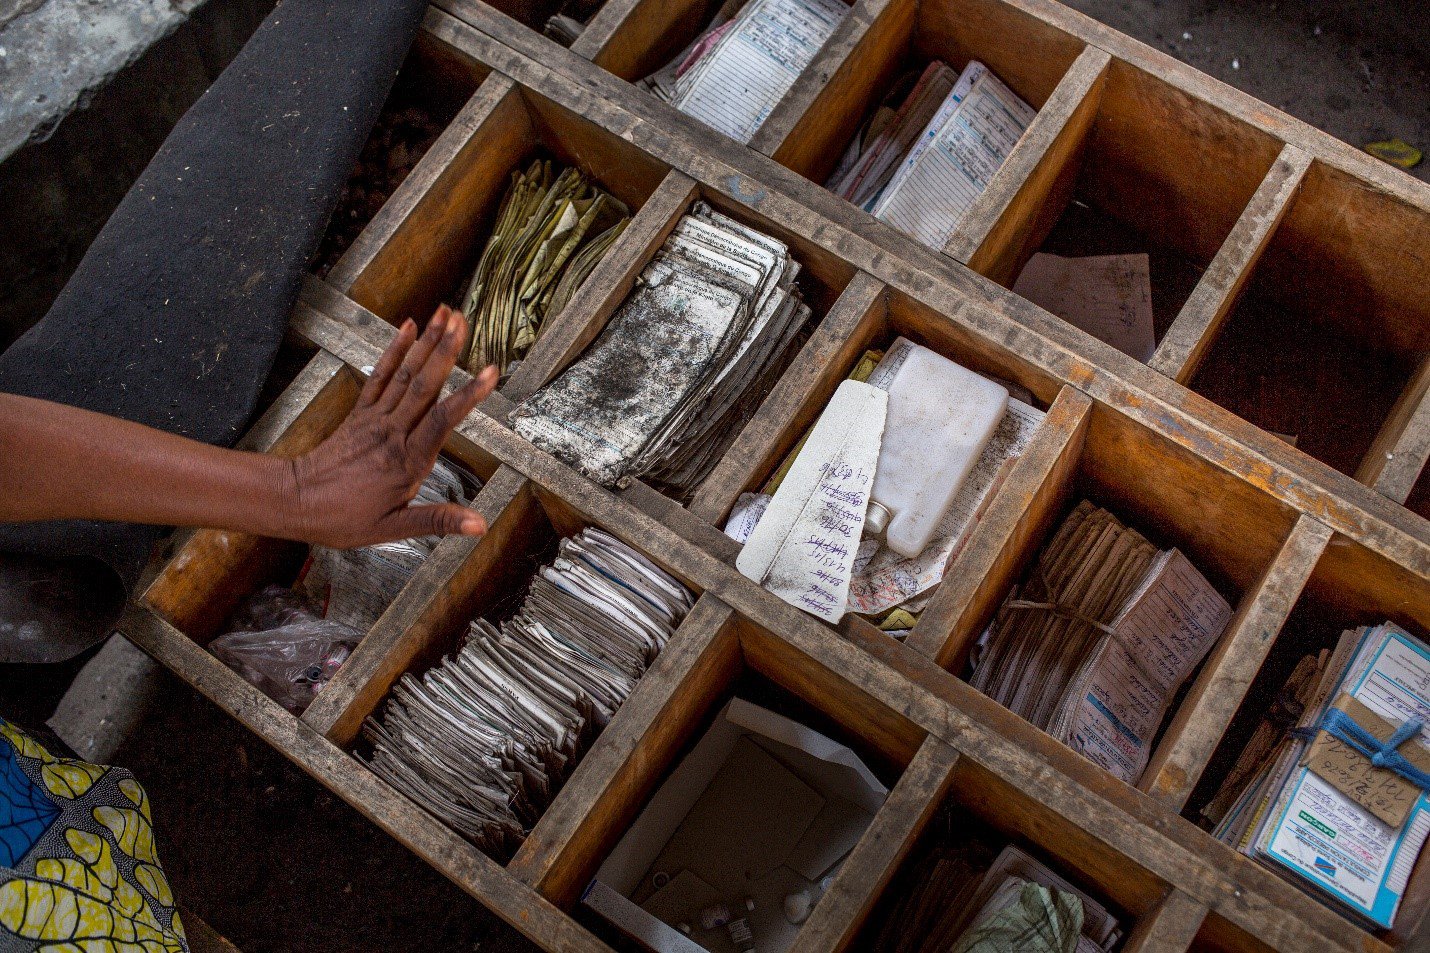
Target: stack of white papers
(1094,646)
(733,76)
(713,321)
(1297,817)
(357,585)
(484,740)
(921,166)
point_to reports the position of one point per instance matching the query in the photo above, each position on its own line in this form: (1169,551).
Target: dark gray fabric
(177,310)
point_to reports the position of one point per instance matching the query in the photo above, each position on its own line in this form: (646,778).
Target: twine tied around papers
(1067,612)
(1382,754)
(1073,615)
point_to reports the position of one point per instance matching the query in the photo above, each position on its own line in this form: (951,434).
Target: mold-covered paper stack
(711,324)
(1095,644)
(920,165)
(357,585)
(550,234)
(733,76)
(484,740)
(1317,809)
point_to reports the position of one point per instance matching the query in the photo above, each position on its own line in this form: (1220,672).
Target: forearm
(59,462)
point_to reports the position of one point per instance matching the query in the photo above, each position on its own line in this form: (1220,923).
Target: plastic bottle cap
(876,520)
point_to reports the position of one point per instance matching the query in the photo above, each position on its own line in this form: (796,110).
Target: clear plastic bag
(280,646)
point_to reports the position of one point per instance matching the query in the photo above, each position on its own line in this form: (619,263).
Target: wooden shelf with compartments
(1255,216)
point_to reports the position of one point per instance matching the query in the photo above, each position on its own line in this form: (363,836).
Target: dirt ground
(277,864)
(1357,69)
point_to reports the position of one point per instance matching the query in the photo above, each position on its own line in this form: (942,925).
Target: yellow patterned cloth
(79,872)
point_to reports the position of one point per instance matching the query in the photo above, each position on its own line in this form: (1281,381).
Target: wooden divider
(794,404)
(862,877)
(568,333)
(1033,495)
(432,600)
(1122,133)
(1180,351)
(1013,215)
(625,763)
(1397,457)
(1218,691)
(1172,925)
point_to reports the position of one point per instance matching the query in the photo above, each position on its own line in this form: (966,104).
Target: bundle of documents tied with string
(923,159)
(869,510)
(1095,644)
(733,75)
(484,740)
(714,319)
(551,231)
(1340,804)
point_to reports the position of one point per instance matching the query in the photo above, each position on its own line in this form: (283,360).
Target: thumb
(442,519)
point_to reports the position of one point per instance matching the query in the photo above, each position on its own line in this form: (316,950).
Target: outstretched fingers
(440,420)
(428,379)
(442,519)
(388,364)
(415,359)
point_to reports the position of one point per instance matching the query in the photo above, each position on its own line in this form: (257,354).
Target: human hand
(354,488)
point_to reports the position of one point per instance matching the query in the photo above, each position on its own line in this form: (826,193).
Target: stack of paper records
(1095,645)
(551,232)
(921,165)
(1316,809)
(713,321)
(733,76)
(1054,908)
(357,585)
(484,740)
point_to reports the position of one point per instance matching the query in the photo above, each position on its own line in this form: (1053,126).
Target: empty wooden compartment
(1331,331)
(1138,167)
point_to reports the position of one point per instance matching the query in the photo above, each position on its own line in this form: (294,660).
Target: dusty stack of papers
(882,584)
(711,324)
(921,166)
(1319,811)
(357,585)
(1094,646)
(484,740)
(733,76)
(550,233)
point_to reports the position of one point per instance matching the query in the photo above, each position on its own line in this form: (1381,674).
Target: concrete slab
(107,700)
(54,54)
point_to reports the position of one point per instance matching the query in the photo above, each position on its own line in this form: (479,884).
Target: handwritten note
(804,548)
(1382,792)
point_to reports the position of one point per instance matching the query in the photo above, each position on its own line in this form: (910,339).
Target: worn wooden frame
(1240,190)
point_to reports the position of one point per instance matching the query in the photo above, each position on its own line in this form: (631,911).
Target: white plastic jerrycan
(941,416)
